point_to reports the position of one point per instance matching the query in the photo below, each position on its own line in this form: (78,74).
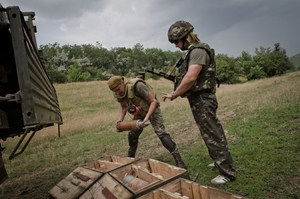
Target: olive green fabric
(201,54)
(114,82)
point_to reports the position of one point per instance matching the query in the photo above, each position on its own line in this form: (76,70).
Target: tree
(273,62)
(137,60)
(227,70)
(248,67)
(74,52)
(94,62)
(99,56)
(295,60)
(53,60)
(74,74)
(256,72)
(155,58)
(121,64)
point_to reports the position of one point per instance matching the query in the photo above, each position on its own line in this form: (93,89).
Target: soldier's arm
(186,82)
(122,112)
(151,99)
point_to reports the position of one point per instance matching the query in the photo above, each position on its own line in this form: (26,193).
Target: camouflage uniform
(201,95)
(157,123)
(204,108)
(203,103)
(137,91)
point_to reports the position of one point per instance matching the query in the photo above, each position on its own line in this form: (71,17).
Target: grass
(261,119)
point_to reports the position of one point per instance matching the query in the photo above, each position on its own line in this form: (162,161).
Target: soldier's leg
(204,112)
(165,138)
(133,141)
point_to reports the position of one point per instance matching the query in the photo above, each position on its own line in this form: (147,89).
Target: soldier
(196,80)
(138,98)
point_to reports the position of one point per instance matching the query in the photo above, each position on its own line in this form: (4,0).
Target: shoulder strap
(209,51)
(204,46)
(134,82)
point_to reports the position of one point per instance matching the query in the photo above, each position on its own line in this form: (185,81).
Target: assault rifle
(167,75)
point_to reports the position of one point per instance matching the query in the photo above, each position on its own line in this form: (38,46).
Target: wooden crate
(109,163)
(73,186)
(186,189)
(148,174)
(75,183)
(107,188)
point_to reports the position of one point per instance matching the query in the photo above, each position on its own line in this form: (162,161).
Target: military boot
(178,161)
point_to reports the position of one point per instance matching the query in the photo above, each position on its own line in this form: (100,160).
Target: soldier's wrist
(173,95)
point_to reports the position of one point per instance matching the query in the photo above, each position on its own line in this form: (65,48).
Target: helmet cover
(179,30)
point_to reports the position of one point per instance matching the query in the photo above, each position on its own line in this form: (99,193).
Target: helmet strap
(183,43)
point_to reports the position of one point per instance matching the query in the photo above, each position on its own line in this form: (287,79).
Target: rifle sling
(171,70)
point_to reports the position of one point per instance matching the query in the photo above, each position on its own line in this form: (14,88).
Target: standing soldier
(196,80)
(138,98)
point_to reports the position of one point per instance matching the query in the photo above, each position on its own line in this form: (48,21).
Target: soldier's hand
(116,122)
(166,96)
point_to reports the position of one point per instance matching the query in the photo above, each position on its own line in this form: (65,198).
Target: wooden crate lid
(75,183)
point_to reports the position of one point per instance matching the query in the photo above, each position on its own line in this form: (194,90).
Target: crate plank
(149,177)
(110,165)
(186,189)
(196,190)
(107,164)
(104,186)
(164,169)
(122,160)
(155,194)
(64,190)
(168,195)
(204,192)
(175,187)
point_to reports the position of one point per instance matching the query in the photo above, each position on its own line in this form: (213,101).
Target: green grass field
(261,119)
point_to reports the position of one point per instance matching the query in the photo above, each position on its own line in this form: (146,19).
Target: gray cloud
(230,26)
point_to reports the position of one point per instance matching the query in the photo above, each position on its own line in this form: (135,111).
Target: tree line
(87,62)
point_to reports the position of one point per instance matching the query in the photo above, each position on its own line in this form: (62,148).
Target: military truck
(28,100)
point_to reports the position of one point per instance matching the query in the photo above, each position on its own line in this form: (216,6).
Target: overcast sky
(228,26)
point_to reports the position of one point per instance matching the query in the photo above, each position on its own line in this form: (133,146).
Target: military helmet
(178,30)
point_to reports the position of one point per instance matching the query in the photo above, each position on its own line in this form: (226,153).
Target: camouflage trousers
(157,123)
(204,107)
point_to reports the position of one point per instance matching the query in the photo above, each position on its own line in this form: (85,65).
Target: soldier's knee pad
(168,142)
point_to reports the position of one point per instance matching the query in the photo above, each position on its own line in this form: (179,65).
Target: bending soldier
(138,98)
